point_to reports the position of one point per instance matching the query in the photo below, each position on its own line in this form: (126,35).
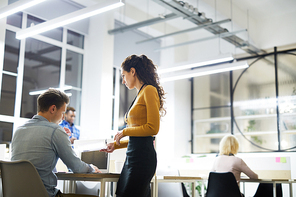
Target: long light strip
(18,6)
(37,92)
(205,71)
(220,59)
(69,18)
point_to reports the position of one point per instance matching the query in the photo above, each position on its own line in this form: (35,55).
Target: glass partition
(287,100)
(211,113)
(254,104)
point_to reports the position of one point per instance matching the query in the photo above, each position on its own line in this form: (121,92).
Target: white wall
(97,85)
(277,31)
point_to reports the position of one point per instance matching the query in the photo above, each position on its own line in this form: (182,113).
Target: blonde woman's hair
(228,145)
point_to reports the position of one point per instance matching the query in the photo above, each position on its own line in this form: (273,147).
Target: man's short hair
(51,97)
(70,109)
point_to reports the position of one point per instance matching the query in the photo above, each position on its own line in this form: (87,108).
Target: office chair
(21,179)
(222,185)
(266,190)
(170,189)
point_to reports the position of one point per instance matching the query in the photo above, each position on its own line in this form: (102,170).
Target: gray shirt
(43,143)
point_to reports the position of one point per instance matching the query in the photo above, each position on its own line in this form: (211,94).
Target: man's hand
(67,131)
(109,148)
(95,168)
(72,139)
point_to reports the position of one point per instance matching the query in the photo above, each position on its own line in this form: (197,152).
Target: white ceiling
(257,16)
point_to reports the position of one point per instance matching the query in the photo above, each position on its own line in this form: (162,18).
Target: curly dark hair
(146,72)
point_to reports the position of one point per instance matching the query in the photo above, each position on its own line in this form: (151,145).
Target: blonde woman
(228,162)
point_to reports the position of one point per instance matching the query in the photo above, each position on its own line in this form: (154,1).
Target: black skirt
(138,169)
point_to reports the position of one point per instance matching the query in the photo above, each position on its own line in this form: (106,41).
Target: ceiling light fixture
(17,6)
(37,92)
(220,59)
(204,71)
(69,18)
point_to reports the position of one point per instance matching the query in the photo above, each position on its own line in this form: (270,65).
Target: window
(75,39)
(8,91)
(56,34)
(260,122)
(211,111)
(11,55)
(255,107)
(41,70)
(5,132)
(39,66)
(15,20)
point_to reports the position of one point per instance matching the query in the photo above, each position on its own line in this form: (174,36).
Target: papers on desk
(89,145)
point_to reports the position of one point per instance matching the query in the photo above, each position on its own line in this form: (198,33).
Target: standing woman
(143,118)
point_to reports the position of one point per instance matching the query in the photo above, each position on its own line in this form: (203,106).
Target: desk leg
(193,188)
(152,188)
(114,188)
(108,189)
(203,188)
(291,189)
(102,191)
(274,189)
(64,186)
(72,187)
(156,188)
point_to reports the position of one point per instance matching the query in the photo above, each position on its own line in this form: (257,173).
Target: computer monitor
(97,158)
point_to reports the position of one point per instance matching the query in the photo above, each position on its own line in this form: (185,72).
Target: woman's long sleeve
(144,118)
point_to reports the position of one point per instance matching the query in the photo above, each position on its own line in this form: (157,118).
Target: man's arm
(62,146)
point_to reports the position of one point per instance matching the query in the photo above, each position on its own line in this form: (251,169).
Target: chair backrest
(21,179)
(266,190)
(222,184)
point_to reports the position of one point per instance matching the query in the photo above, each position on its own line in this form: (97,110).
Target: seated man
(68,122)
(42,141)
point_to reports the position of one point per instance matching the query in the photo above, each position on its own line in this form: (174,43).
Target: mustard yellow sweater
(143,118)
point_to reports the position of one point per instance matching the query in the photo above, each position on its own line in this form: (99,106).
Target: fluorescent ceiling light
(204,71)
(220,59)
(69,18)
(18,6)
(37,92)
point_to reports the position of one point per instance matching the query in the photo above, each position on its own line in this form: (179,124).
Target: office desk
(101,177)
(178,179)
(273,181)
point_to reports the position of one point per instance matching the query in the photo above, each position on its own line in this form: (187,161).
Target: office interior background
(257,104)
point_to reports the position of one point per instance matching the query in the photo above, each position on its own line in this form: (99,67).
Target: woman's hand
(118,136)
(109,148)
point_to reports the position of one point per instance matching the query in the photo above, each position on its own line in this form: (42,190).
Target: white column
(96,105)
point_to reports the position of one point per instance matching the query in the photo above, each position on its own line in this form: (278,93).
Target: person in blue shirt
(68,123)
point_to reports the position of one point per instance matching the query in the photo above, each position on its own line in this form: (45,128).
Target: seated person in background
(227,162)
(68,122)
(42,141)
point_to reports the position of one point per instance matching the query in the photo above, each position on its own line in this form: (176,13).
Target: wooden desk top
(245,179)
(180,177)
(87,176)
